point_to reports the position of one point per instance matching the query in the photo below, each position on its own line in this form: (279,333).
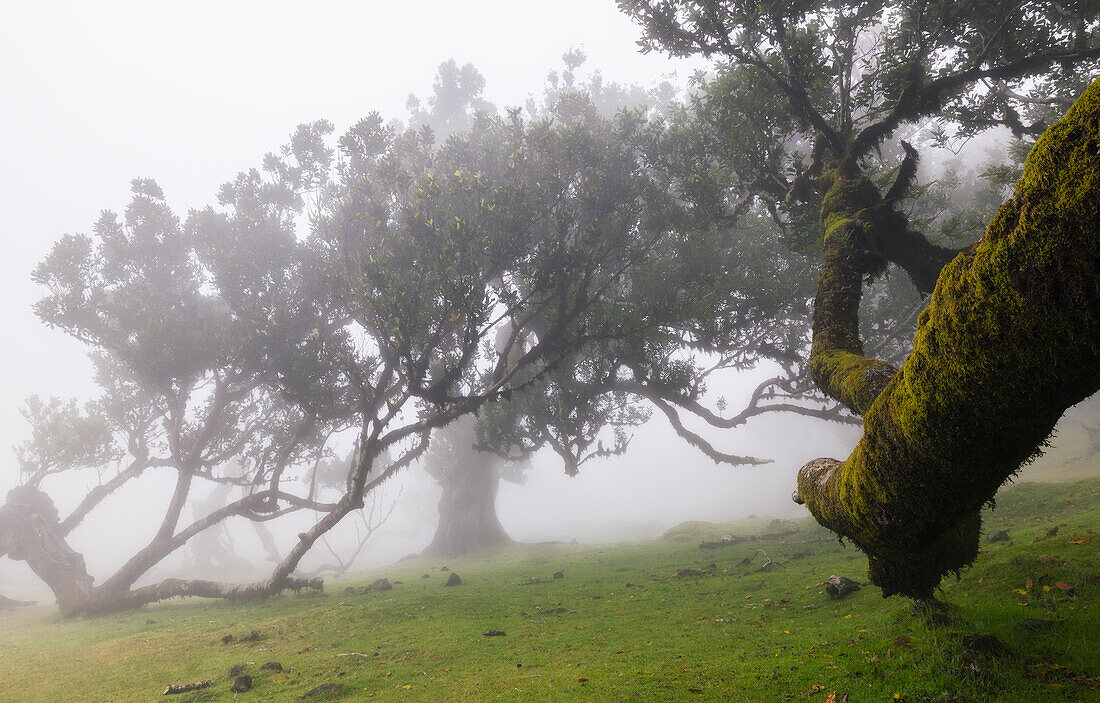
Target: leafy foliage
(63,437)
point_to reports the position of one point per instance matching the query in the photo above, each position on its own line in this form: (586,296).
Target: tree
(470,479)
(182,391)
(584,408)
(567,408)
(805,95)
(455,101)
(331,472)
(434,280)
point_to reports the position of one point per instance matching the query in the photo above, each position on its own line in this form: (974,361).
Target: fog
(189,94)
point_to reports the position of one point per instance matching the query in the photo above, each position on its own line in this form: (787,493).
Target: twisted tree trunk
(1011,338)
(31,531)
(468,519)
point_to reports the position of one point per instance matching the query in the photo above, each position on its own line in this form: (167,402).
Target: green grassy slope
(658,621)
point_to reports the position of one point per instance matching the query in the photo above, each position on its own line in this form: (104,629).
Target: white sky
(93,94)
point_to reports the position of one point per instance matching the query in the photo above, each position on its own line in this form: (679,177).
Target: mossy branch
(1010,340)
(837,363)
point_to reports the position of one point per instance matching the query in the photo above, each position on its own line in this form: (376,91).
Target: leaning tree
(180,395)
(804,97)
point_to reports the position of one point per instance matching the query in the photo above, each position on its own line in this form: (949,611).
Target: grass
(657,621)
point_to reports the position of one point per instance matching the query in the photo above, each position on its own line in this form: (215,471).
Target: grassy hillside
(658,621)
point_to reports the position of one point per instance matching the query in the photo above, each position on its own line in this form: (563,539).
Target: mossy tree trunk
(1011,338)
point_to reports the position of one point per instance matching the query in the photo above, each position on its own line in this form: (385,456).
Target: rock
(985,644)
(241,684)
(997,536)
(453,580)
(349,591)
(934,612)
(839,586)
(227,639)
(426,576)
(253,636)
(970,662)
(321,690)
(236,670)
(378,586)
(559,575)
(444,568)
(150,621)
(272,666)
(494,633)
(689,571)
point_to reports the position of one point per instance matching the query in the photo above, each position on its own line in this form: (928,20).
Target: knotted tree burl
(1010,339)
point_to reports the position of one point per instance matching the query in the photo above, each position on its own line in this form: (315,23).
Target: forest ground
(664,620)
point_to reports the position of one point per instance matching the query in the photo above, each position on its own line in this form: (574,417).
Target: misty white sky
(95,94)
(189,93)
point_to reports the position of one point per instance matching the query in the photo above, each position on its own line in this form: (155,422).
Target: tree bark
(30,531)
(837,363)
(468,519)
(1011,338)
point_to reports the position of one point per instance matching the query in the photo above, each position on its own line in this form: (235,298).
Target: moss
(1010,340)
(855,379)
(836,358)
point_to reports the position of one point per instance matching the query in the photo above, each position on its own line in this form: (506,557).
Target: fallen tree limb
(187,687)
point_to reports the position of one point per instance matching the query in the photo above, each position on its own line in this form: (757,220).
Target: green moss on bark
(837,363)
(1010,340)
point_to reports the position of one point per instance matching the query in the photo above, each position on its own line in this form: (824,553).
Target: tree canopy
(805,96)
(548,271)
